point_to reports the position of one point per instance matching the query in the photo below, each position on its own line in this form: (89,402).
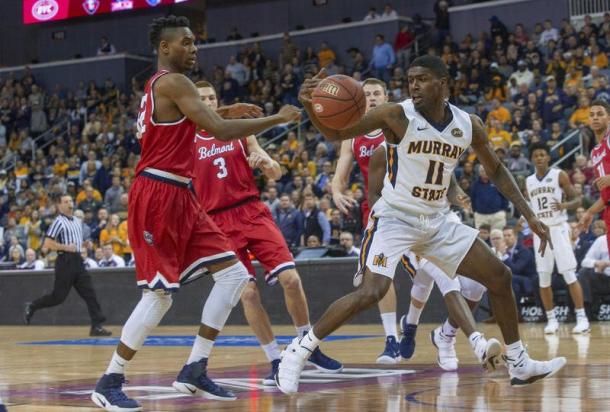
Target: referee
(65,235)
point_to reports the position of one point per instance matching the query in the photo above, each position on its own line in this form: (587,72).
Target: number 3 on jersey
(222,167)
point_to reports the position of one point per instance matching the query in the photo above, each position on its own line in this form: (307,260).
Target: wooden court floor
(59,374)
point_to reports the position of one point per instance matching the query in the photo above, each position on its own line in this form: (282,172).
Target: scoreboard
(40,11)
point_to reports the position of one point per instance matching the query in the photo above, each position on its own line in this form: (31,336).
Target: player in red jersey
(225,186)
(361,149)
(173,240)
(599,120)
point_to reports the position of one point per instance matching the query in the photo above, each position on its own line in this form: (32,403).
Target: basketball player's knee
(145,317)
(570,277)
(372,293)
(158,303)
(501,281)
(290,280)
(250,296)
(230,282)
(544,279)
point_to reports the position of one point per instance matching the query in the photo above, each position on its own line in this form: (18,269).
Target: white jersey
(544,192)
(419,168)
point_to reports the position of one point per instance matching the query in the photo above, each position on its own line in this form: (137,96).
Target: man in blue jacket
(383,59)
(290,221)
(488,204)
(521,262)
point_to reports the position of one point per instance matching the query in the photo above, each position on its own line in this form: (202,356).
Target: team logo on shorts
(457,132)
(148,238)
(380,260)
(91,6)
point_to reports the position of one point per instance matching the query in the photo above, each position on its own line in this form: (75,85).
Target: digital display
(40,11)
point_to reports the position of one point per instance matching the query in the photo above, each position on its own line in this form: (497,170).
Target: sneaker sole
(387,360)
(581,332)
(519,382)
(492,355)
(195,391)
(323,369)
(438,360)
(550,332)
(268,382)
(279,386)
(101,401)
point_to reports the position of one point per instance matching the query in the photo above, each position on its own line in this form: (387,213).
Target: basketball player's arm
(258,158)
(501,177)
(573,198)
(341,177)
(587,217)
(183,93)
(457,196)
(377,170)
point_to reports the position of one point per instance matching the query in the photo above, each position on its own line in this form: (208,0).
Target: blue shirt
(383,56)
(486,198)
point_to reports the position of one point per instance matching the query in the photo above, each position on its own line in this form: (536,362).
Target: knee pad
(471,289)
(145,317)
(227,289)
(422,286)
(544,279)
(445,283)
(569,277)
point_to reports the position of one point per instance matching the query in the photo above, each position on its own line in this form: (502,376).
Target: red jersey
(166,146)
(600,157)
(223,177)
(363,148)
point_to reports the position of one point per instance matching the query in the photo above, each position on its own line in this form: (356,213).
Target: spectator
(31,261)
(523,76)
(234,35)
(109,259)
(549,33)
(389,12)
(110,235)
(237,71)
(86,229)
(112,197)
(403,44)
(441,11)
(346,240)
(488,204)
(498,137)
(517,163)
(315,222)
(581,242)
(313,241)
(290,221)
(326,56)
(16,256)
(580,117)
(520,260)
(90,201)
(383,59)
(87,261)
(595,272)
(498,29)
(38,120)
(552,102)
(371,14)
(91,160)
(106,48)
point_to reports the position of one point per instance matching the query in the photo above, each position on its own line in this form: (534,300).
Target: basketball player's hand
(290,113)
(602,182)
(463,201)
(240,111)
(309,85)
(344,203)
(556,206)
(543,233)
(258,161)
(70,248)
(585,221)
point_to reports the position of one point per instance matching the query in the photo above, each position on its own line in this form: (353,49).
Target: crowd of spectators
(527,84)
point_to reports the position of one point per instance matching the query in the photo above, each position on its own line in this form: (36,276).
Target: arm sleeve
(54,230)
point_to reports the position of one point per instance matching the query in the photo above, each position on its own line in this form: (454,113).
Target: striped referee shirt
(67,230)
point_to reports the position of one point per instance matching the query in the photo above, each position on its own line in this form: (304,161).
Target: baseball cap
(549,78)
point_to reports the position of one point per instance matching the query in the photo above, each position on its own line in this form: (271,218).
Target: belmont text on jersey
(205,152)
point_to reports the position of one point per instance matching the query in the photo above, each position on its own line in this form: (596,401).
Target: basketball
(339,102)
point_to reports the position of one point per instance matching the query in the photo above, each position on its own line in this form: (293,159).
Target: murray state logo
(153,3)
(91,6)
(380,260)
(45,9)
(457,132)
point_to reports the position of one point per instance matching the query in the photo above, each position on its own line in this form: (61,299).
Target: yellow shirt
(82,196)
(60,169)
(580,116)
(325,57)
(501,113)
(123,236)
(106,235)
(499,138)
(21,172)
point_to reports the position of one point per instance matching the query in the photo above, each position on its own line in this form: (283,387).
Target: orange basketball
(338,102)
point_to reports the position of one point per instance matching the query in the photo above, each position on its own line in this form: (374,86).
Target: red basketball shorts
(172,238)
(251,228)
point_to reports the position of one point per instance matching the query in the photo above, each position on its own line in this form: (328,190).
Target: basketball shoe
(551,327)
(447,358)
(109,394)
(582,325)
(488,352)
(293,361)
(193,380)
(524,371)
(407,340)
(390,354)
(270,380)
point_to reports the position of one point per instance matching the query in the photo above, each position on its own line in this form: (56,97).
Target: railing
(581,8)
(298,126)
(569,137)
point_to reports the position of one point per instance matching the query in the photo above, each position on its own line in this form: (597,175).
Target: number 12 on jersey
(435,173)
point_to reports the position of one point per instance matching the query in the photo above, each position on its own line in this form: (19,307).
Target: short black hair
(433,63)
(159,24)
(602,103)
(539,146)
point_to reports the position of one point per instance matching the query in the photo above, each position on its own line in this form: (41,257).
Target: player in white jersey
(546,189)
(424,275)
(425,137)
